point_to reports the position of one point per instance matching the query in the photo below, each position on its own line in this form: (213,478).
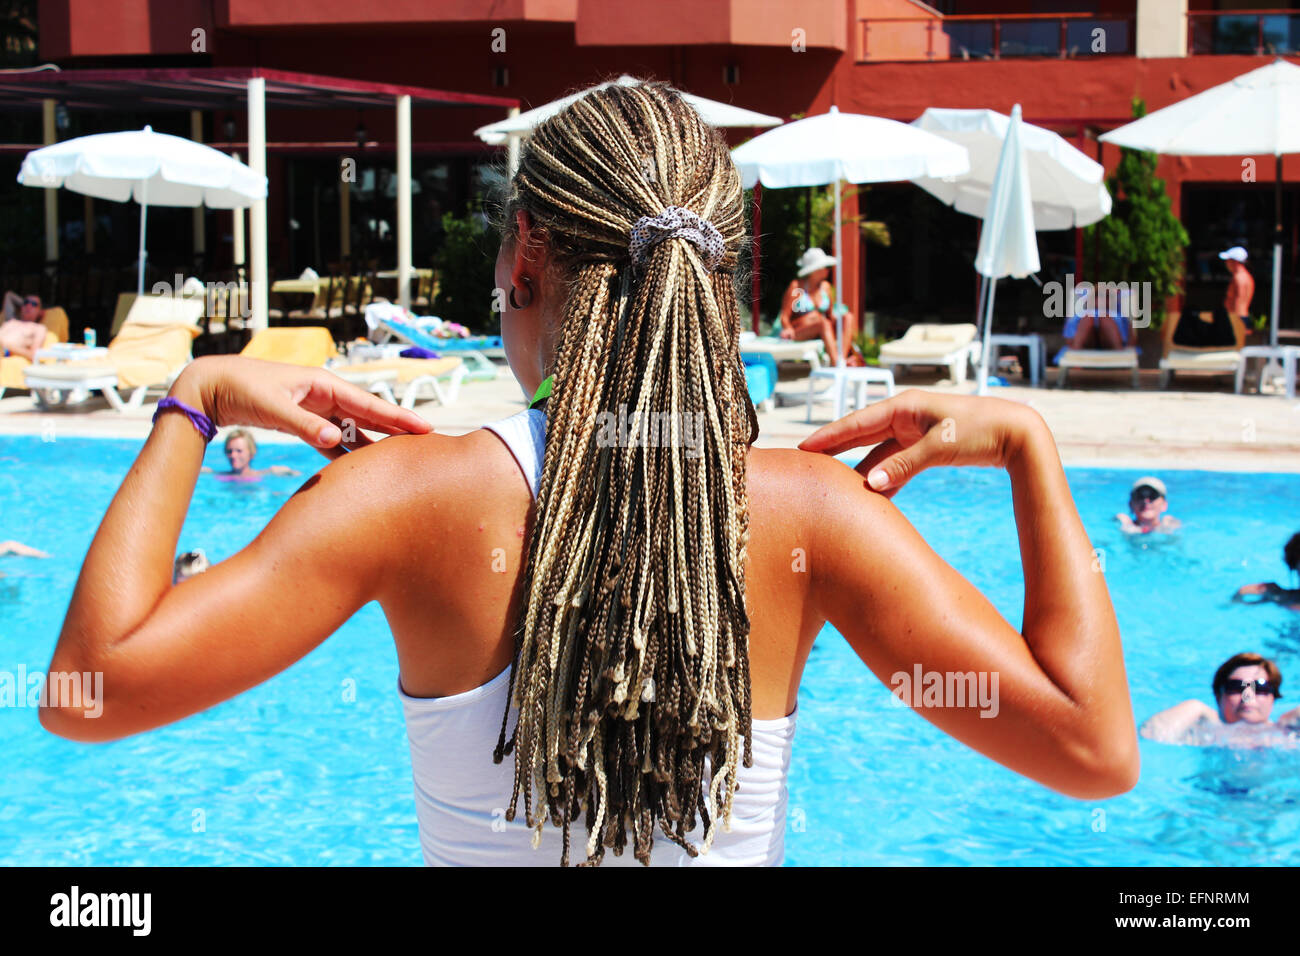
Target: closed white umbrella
(834,146)
(1065,186)
(1253,114)
(151,168)
(1008,242)
(712,112)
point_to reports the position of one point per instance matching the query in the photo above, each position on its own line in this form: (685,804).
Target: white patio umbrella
(1066,186)
(1008,243)
(1253,114)
(834,146)
(516,128)
(151,168)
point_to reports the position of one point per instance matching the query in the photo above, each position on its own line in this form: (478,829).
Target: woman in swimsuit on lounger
(807,311)
(643,605)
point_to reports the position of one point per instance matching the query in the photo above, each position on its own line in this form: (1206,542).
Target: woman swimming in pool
(1245,687)
(628,623)
(240,449)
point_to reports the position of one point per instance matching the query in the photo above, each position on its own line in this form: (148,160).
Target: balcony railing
(976,37)
(1243,31)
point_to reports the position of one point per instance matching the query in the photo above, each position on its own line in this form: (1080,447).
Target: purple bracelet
(200,421)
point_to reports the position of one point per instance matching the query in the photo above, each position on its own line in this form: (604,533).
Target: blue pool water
(312,767)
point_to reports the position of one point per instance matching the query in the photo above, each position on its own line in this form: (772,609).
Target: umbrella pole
(144,215)
(839,278)
(1277,251)
(982,384)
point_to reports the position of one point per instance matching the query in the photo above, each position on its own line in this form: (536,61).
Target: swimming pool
(312,767)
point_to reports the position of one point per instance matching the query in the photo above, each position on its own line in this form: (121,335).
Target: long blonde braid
(631,660)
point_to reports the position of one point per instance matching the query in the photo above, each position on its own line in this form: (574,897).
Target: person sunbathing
(1148,503)
(240,449)
(1097,325)
(584,624)
(1245,688)
(1270,591)
(21,337)
(809,309)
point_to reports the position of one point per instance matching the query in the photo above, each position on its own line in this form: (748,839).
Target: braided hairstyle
(631,662)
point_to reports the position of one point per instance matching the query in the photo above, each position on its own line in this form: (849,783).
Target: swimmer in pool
(1148,503)
(1269,591)
(240,449)
(189,564)
(17,547)
(1245,688)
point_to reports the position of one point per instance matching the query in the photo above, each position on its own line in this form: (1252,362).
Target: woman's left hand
(311,403)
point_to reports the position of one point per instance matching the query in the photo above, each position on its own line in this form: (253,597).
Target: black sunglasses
(1147,494)
(1262,686)
(31,300)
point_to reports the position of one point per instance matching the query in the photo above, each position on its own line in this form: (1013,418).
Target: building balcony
(981,37)
(1260,32)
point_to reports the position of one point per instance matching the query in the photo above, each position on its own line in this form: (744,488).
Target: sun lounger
(385,324)
(150,350)
(784,350)
(1105,359)
(1222,359)
(954,346)
(313,346)
(12,366)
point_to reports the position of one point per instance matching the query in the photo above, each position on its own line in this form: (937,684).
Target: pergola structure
(230,88)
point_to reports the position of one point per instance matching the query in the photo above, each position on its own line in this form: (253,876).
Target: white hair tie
(676,221)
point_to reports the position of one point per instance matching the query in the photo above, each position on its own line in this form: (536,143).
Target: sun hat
(1154,484)
(1236,252)
(814,259)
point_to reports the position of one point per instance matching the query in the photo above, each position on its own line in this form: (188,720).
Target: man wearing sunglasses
(1148,502)
(28,308)
(1245,688)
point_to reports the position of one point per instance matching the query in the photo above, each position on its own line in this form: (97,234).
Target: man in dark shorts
(1227,329)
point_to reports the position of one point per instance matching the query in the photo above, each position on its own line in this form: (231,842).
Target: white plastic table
(841,377)
(68,351)
(1037,354)
(1287,353)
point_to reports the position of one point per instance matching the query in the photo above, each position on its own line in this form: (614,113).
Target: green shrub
(466,266)
(1141,240)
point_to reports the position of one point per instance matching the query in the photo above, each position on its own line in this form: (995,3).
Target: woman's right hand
(919,429)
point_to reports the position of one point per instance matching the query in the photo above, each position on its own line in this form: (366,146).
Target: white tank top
(461,796)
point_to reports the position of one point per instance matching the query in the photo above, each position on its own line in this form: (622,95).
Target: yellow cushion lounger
(11,366)
(1097,359)
(950,345)
(152,348)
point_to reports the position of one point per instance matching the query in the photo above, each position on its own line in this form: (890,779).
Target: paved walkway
(1202,425)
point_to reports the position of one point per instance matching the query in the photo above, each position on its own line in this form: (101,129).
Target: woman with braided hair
(616,665)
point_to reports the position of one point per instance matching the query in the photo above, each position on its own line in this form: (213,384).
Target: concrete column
(259,286)
(512,143)
(404,201)
(1161,27)
(345,217)
(237,251)
(196,134)
(51,195)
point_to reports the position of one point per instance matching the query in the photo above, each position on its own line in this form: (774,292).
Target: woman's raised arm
(165,652)
(1059,711)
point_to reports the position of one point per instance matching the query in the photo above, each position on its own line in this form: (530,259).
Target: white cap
(814,259)
(1236,252)
(1150,482)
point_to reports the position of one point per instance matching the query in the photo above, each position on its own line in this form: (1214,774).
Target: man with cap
(1236,301)
(1225,327)
(1148,502)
